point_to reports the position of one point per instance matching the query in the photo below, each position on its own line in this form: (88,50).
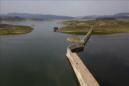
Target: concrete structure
(84,76)
(78,47)
(87,36)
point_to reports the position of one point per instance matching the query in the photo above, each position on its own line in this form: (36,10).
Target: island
(8,29)
(100,26)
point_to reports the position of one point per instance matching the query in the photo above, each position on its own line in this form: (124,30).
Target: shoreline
(8,29)
(100,27)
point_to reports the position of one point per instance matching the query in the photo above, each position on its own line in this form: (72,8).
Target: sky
(65,7)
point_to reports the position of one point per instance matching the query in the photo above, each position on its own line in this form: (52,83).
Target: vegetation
(7,29)
(74,39)
(100,26)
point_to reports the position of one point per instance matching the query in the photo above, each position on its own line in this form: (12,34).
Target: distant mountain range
(24,16)
(121,15)
(117,16)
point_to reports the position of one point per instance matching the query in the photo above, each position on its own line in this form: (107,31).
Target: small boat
(55,29)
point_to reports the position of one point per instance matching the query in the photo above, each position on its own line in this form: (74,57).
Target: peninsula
(100,26)
(8,29)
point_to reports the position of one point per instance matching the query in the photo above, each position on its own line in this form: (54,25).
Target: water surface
(38,58)
(35,59)
(107,57)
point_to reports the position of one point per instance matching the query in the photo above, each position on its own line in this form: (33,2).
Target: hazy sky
(65,7)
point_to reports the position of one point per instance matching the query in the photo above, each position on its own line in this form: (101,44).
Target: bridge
(83,75)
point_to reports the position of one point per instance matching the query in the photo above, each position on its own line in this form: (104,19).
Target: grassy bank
(100,26)
(7,29)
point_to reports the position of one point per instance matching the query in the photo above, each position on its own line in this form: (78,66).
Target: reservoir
(35,59)
(38,58)
(107,57)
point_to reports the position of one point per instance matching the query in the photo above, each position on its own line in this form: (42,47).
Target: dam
(85,78)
